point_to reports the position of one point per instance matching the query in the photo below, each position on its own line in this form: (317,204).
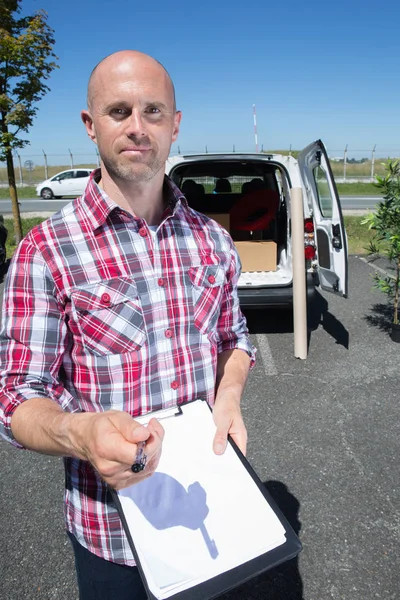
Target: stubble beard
(134,172)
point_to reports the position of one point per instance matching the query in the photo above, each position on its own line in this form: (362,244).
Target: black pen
(140,459)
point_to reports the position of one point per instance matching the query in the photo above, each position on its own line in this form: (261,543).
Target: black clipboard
(224,582)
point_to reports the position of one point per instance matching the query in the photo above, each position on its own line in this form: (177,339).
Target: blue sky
(313,70)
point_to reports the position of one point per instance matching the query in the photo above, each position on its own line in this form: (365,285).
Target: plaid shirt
(101,314)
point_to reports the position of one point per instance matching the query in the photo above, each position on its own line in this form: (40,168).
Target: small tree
(385,222)
(26,53)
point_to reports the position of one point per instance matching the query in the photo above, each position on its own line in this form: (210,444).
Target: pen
(140,459)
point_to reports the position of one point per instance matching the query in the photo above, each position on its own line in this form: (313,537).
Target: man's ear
(88,122)
(177,122)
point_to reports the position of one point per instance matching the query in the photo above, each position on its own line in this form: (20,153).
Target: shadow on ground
(382,317)
(283,582)
(272,320)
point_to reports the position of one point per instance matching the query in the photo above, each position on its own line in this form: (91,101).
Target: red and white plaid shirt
(99,313)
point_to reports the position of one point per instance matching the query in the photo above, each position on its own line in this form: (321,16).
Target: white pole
(299,275)
(20,169)
(345,163)
(373,162)
(46,172)
(255,127)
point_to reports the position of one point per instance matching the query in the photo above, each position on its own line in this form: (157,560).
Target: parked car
(67,183)
(249,194)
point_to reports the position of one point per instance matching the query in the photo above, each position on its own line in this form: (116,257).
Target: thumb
(130,429)
(221,435)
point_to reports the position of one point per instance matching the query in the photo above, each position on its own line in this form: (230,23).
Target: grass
(358,169)
(358,235)
(27,225)
(357,189)
(23,192)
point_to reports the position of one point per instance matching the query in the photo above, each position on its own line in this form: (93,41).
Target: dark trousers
(99,579)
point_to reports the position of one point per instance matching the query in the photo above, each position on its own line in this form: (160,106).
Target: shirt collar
(98,206)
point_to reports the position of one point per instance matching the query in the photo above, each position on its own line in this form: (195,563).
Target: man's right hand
(109,441)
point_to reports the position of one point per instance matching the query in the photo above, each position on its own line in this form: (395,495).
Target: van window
(224,185)
(325,200)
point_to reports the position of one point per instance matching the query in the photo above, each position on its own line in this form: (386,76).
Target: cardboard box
(257,255)
(221,218)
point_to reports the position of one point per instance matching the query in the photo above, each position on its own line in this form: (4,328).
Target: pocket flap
(207,276)
(104,294)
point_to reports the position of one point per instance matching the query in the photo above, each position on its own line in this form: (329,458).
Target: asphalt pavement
(323,437)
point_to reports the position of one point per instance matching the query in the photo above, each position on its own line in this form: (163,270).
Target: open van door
(320,192)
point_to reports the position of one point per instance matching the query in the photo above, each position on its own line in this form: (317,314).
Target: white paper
(200,514)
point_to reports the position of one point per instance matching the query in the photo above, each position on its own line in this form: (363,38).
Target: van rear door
(321,194)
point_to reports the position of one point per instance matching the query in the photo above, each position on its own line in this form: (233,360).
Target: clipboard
(163,513)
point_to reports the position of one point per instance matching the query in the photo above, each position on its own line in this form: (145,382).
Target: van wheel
(47,194)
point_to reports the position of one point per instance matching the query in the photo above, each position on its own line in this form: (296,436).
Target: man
(122,303)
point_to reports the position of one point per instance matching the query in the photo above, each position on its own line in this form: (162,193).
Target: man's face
(132,118)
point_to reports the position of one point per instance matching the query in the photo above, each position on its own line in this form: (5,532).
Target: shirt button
(174,385)
(168,333)
(211,278)
(105,298)
(143,231)
(161,282)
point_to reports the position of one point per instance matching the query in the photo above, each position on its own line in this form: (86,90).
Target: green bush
(384,223)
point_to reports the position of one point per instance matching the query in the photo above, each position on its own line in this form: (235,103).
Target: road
(38,205)
(324,437)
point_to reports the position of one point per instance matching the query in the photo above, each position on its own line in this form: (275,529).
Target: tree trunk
(13,196)
(396,295)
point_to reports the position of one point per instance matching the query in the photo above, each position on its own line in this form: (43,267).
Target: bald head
(125,61)
(132,117)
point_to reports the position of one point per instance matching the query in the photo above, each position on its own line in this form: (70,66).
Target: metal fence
(348,164)
(31,169)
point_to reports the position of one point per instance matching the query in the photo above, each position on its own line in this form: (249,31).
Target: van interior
(249,198)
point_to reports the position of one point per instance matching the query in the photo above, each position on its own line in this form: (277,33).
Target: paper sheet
(200,514)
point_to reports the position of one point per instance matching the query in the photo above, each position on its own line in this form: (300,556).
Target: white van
(249,194)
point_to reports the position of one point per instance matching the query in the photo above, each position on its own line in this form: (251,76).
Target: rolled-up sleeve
(33,337)
(232,327)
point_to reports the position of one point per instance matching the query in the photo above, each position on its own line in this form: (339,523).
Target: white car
(249,194)
(67,183)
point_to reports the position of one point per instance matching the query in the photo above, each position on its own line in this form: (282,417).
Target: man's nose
(135,124)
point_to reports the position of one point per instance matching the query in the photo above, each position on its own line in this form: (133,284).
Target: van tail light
(309,252)
(308,226)
(309,239)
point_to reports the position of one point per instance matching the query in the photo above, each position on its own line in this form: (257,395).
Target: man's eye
(118,112)
(153,110)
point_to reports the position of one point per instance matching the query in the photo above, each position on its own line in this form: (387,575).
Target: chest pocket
(207,286)
(109,316)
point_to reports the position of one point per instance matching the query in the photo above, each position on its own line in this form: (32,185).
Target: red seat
(254,211)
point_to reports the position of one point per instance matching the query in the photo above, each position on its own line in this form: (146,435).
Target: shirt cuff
(5,428)
(244,345)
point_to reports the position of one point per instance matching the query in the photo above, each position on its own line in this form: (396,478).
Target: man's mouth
(136,149)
